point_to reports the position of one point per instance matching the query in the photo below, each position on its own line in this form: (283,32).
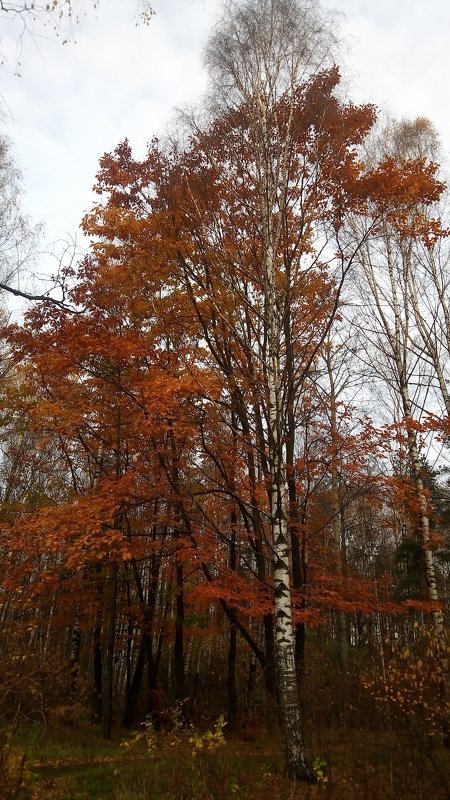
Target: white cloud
(76,101)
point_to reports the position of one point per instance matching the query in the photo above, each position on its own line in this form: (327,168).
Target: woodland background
(225,504)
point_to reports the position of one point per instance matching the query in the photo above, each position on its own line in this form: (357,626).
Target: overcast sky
(71,103)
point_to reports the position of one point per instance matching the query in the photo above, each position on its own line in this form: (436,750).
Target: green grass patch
(74,763)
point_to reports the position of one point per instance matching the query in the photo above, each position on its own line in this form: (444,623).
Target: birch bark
(388,284)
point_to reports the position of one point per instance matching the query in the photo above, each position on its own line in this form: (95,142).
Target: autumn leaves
(192,452)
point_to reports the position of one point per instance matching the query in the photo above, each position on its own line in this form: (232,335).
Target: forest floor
(73,763)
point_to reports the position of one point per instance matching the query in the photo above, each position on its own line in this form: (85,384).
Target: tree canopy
(219,458)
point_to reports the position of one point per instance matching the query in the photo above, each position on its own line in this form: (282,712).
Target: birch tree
(260,53)
(389,300)
(428,278)
(17,237)
(266,58)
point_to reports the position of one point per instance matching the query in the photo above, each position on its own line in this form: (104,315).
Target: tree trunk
(231,679)
(178,651)
(341,621)
(107,697)
(232,640)
(133,689)
(289,703)
(97,648)
(74,660)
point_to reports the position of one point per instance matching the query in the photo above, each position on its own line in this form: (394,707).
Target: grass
(73,763)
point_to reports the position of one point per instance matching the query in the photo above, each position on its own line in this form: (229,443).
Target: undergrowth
(203,763)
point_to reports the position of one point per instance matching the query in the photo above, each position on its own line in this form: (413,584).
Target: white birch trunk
(295,760)
(336,511)
(394,329)
(430,574)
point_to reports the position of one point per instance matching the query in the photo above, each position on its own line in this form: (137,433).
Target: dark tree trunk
(133,688)
(250,691)
(232,642)
(107,698)
(231,679)
(180,689)
(97,651)
(74,661)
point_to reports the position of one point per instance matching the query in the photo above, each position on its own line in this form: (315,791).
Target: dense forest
(224,492)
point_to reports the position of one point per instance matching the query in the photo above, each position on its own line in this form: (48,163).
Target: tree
(249,222)
(390,299)
(56,11)
(208,466)
(31,19)
(258,57)
(17,237)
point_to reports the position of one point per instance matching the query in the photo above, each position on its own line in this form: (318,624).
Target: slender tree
(390,303)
